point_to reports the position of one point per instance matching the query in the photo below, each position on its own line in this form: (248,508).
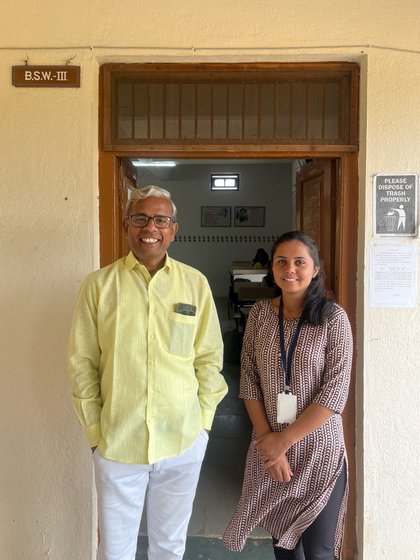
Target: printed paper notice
(393,275)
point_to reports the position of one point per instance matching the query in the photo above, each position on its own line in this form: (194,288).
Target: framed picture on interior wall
(216,216)
(249,216)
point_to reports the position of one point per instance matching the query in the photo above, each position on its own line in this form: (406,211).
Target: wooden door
(126,182)
(316,186)
(321,212)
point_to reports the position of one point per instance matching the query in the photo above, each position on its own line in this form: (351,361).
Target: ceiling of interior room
(165,173)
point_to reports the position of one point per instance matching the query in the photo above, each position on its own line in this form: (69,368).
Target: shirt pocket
(181,333)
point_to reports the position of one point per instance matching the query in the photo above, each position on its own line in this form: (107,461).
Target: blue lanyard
(287,359)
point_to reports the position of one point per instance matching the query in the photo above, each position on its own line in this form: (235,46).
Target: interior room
(213,235)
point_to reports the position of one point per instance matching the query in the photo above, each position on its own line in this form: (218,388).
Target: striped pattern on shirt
(145,375)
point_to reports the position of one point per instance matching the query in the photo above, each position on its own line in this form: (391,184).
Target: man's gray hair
(139,194)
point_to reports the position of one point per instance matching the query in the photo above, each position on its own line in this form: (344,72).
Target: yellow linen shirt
(145,377)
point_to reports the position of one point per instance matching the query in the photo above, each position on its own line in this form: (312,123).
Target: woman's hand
(271,446)
(281,470)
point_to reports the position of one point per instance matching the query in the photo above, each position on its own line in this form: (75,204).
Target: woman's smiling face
(293,267)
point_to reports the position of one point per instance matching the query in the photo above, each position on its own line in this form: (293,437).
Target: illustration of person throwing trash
(401,216)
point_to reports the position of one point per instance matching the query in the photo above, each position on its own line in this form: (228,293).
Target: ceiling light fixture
(153,163)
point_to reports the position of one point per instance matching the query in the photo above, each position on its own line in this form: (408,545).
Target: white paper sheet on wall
(393,274)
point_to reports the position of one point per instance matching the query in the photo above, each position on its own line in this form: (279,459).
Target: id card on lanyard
(287,401)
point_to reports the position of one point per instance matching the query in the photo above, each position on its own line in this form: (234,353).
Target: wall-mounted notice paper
(393,275)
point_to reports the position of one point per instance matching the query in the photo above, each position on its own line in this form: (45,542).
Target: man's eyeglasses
(141,220)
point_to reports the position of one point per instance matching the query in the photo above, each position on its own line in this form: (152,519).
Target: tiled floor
(205,548)
(221,476)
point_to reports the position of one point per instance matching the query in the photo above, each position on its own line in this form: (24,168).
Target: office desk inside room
(242,265)
(253,291)
(243,275)
(244,270)
(240,287)
(248,293)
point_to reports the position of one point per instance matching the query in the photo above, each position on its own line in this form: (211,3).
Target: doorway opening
(211,238)
(294,194)
(332,223)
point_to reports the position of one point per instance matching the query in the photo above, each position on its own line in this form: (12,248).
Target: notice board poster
(395,204)
(393,273)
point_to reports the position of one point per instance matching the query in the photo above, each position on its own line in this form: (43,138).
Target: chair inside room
(247,293)
(233,301)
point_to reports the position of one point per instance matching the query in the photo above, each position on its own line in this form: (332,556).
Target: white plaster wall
(48,146)
(391,351)
(240,24)
(48,190)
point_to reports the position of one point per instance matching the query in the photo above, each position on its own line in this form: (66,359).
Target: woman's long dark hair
(318,306)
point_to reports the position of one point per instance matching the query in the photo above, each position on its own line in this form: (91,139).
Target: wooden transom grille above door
(231,105)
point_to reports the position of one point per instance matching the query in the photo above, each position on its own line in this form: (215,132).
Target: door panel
(326,210)
(126,182)
(316,211)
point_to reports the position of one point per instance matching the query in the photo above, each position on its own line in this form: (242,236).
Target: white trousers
(170,484)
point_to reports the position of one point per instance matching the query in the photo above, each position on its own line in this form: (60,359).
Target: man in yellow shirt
(145,357)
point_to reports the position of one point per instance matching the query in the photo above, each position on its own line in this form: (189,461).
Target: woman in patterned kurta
(292,484)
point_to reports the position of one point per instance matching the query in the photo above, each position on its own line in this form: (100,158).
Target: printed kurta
(320,373)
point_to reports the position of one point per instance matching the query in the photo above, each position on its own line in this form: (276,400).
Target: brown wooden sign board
(46,76)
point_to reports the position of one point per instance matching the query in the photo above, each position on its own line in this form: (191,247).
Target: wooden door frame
(110,217)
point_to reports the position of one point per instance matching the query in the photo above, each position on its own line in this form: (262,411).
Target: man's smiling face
(149,243)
